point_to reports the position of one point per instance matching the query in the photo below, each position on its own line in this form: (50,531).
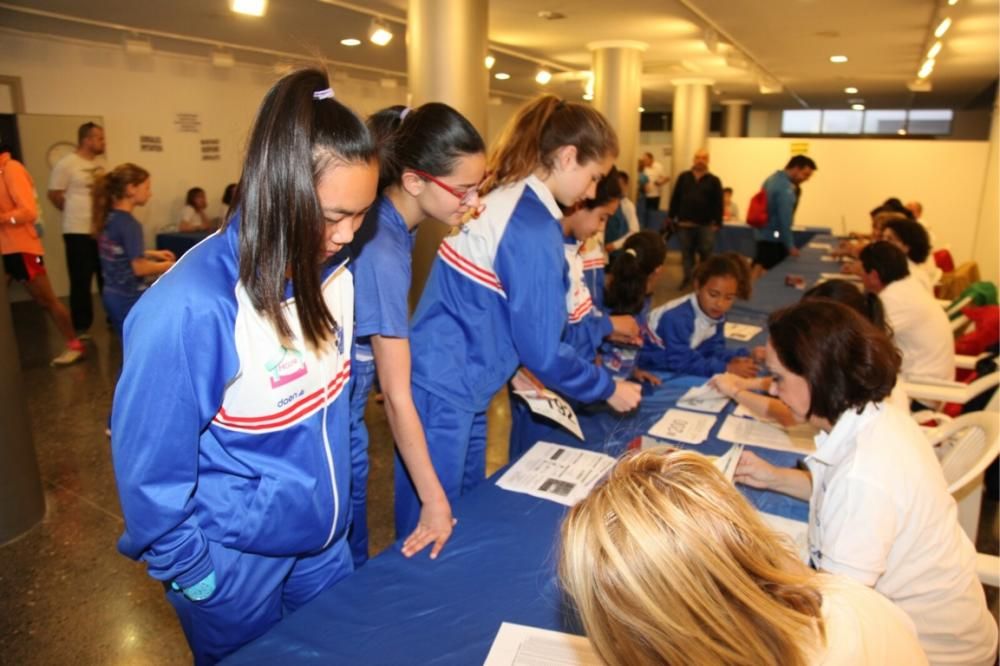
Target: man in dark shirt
(696,207)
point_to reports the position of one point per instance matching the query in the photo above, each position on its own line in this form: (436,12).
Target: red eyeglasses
(464,197)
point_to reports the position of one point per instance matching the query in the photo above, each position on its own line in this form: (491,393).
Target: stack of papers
(558,473)
(682,426)
(518,645)
(704,398)
(741,332)
(765,435)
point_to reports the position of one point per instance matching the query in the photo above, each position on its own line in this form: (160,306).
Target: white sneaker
(68,357)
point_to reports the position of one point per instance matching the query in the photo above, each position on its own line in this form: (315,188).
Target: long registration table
(499,566)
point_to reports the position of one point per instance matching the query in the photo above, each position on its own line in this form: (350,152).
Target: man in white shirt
(919,324)
(657,179)
(70,185)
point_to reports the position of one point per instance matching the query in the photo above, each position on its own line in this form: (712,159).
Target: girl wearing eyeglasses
(496,295)
(432,160)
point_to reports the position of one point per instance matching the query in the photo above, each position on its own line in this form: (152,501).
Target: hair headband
(325,93)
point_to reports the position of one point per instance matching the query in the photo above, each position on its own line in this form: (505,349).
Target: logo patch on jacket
(286,367)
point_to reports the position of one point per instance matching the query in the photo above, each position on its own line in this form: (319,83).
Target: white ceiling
(790,40)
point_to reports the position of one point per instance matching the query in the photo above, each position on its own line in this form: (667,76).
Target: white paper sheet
(551,406)
(683,426)
(558,473)
(851,277)
(741,332)
(726,463)
(755,433)
(820,246)
(703,398)
(797,532)
(518,645)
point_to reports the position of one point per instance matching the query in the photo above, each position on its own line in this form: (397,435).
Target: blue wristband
(200,591)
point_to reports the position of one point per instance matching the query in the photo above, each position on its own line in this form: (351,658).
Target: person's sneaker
(68,357)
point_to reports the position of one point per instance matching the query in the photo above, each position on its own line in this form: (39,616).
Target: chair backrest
(971,442)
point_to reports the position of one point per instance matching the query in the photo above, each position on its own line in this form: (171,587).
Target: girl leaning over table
(879,507)
(432,160)
(496,295)
(231,419)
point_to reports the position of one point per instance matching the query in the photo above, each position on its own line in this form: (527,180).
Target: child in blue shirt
(432,161)
(686,335)
(124,262)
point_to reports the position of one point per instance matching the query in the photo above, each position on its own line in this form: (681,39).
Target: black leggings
(83,263)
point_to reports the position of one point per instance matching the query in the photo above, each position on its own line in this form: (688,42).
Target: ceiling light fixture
(858,107)
(943,27)
(952,3)
(379,33)
(838,59)
(351,41)
(501,76)
(248,7)
(587,97)
(642,109)
(926,69)
(851,90)
(490,61)
(901,131)
(934,50)
(543,77)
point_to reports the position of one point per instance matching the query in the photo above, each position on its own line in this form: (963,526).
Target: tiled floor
(66,595)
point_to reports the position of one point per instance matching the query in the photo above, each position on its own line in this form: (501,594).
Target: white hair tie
(632,252)
(325,93)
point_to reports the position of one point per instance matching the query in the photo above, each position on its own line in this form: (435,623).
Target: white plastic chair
(968,445)
(929,389)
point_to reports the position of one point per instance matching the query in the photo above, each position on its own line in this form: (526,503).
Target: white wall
(855,175)
(142,96)
(987,237)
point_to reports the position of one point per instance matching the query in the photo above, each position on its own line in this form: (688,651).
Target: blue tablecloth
(738,237)
(499,566)
(180,242)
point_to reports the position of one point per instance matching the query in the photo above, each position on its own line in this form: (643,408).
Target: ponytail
(109,188)
(538,130)
(430,138)
(630,269)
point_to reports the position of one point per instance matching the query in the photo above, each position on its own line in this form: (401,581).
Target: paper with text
(726,463)
(703,398)
(551,406)
(820,246)
(518,645)
(740,332)
(683,426)
(755,433)
(555,472)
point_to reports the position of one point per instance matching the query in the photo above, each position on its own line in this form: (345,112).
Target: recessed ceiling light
(952,3)
(901,131)
(501,76)
(838,58)
(489,61)
(588,97)
(934,50)
(351,41)
(943,27)
(851,90)
(543,76)
(858,107)
(248,7)
(550,16)
(926,69)
(642,109)
(379,33)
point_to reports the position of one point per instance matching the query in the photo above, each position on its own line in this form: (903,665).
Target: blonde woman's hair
(542,126)
(667,564)
(110,187)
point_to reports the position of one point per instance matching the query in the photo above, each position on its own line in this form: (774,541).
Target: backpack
(757,210)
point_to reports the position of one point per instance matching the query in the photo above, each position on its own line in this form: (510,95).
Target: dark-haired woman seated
(879,508)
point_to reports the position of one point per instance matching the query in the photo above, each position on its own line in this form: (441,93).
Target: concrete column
(617,67)
(734,117)
(692,107)
(446,45)
(22,503)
